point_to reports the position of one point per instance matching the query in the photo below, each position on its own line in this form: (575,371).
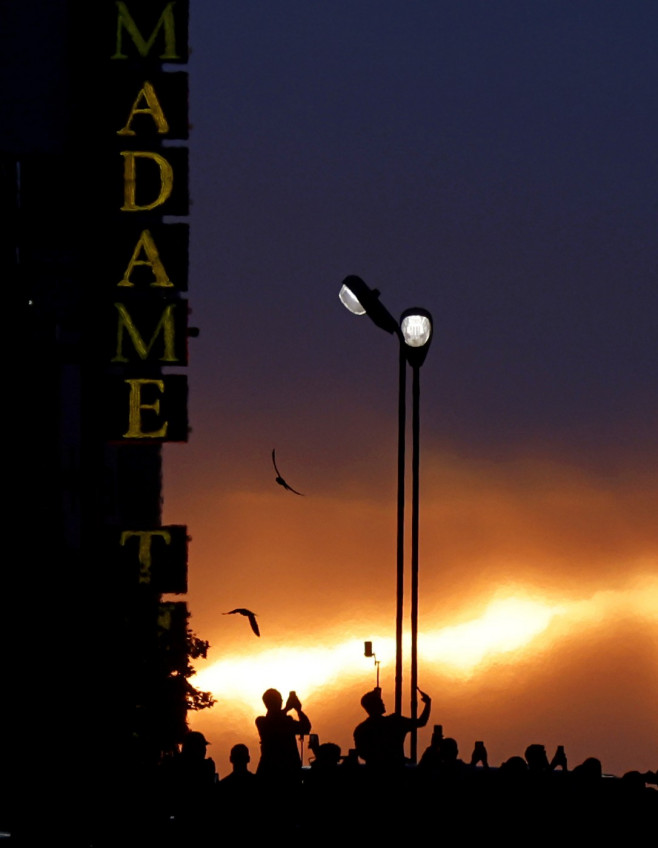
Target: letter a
(147,245)
(152,108)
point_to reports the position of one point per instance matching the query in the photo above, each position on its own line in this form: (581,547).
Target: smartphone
(367,649)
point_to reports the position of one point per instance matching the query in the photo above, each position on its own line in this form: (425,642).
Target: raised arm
(423,718)
(303,722)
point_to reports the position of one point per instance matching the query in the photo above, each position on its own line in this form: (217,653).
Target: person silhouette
(240,777)
(189,786)
(239,795)
(279,756)
(379,740)
(191,773)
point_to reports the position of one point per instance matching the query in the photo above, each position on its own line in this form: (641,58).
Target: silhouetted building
(97,669)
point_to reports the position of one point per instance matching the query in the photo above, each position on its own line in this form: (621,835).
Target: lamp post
(414,333)
(356,296)
(416,327)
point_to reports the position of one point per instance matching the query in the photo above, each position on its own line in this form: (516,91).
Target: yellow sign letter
(135,407)
(165,326)
(166,21)
(147,245)
(144,554)
(149,97)
(130,179)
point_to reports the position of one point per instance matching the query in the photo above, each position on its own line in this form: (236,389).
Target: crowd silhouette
(372,790)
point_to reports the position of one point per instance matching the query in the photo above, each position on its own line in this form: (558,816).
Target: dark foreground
(349,805)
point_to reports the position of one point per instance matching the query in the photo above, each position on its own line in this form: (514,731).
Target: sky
(495,164)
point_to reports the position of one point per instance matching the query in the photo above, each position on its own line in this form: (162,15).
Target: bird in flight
(250,615)
(279,478)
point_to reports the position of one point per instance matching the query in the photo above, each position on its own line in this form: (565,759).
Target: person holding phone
(278,731)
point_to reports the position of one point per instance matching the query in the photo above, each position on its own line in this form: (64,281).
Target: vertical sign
(144,341)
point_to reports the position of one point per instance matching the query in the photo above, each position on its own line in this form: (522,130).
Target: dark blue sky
(494,162)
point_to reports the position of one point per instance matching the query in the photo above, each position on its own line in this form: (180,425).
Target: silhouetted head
(589,770)
(327,755)
(513,767)
(633,781)
(372,702)
(239,755)
(535,757)
(194,745)
(449,749)
(273,699)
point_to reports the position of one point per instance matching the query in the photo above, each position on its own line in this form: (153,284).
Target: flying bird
(250,615)
(279,478)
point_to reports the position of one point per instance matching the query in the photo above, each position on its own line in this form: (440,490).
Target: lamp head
(360,299)
(349,297)
(416,329)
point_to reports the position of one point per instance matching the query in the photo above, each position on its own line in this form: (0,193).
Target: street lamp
(414,333)
(416,327)
(360,299)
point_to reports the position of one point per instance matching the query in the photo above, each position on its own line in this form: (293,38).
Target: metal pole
(415,466)
(399,594)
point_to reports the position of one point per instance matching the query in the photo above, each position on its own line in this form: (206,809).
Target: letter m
(126,24)
(165,327)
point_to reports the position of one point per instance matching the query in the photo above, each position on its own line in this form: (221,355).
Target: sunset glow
(506,626)
(504,632)
(538,605)
(303,669)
